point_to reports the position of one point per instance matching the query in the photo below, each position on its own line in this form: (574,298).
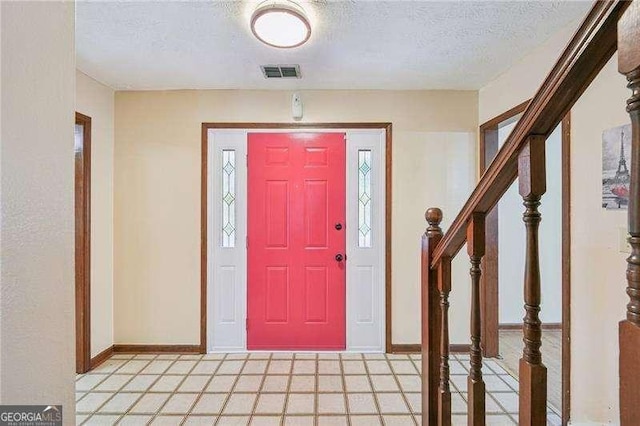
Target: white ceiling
(353,45)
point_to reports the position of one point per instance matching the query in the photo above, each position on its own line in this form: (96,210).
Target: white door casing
(227,266)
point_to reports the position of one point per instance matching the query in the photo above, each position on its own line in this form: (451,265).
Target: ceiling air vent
(281,71)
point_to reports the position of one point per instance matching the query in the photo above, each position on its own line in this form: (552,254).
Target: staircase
(609,26)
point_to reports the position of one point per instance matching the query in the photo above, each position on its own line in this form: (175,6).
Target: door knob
(338,226)
(339,257)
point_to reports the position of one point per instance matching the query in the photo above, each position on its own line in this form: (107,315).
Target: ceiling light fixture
(280,23)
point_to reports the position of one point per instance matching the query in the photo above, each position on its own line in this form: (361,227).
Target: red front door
(296,199)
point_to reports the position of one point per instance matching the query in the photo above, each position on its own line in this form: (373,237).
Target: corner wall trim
(145,349)
(82,218)
(459,348)
(489,147)
(404,348)
(410,348)
(101,357)
(516,326)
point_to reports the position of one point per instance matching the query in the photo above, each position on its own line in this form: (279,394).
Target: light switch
(624,246)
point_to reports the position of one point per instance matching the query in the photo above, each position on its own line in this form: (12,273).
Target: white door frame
(226,278)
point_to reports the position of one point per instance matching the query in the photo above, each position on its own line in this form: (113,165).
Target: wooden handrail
(591,47)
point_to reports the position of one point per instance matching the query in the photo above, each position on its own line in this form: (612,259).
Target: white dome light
(280,24)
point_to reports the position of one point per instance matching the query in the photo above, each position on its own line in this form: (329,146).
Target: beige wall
(521,81)
(598,288)
(597,295)
(37,284)
(157,191)
(96,100)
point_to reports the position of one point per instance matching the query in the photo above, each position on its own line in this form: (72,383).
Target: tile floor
(277,389)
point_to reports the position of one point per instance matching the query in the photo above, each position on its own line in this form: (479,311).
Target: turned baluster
(532,373)
(430,320)
(475,383)
(629,329)
(444,393)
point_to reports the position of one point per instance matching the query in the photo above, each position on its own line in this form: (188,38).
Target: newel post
(629,328)
(430,321)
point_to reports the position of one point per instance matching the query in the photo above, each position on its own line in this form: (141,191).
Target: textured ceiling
(354,44)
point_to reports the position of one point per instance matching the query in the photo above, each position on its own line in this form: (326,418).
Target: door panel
(277,213)
(316,203)
(277,295)
(316,281)
(296,195)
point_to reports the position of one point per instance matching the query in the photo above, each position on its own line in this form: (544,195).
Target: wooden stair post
(430,313)
(532,373)
(629,328)
(475,383)
(444,392)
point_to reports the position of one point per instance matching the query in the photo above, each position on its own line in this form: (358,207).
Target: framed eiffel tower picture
(616,153)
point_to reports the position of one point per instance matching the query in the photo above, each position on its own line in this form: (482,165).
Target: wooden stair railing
(608,26)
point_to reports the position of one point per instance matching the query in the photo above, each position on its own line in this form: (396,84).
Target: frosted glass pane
(364,198)
(228,198)
(78,135)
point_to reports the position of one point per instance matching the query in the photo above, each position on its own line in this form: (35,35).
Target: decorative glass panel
(364,198)
(228,198)
(78,137)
